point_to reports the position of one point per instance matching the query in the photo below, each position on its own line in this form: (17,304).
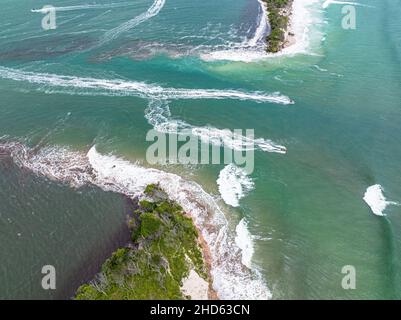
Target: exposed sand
(195,287)
(212,294)
(290,38)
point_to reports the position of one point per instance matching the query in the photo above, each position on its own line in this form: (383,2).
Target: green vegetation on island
(164,249)
(278,20)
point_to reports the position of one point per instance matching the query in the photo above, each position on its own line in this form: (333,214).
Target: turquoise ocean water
(112,69)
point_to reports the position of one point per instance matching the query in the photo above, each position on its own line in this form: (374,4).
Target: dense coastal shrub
(164,249)
(278,24)
(150,224)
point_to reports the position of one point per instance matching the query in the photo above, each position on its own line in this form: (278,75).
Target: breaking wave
(234,184)
(376,200)
(244,241)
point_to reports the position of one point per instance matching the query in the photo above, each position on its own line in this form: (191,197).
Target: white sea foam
(159,116)
(59,164)
(262,27)
(320,68)
(376,200)
(234,184)
(231,279)
(244,241)
(305,17)
(236,54)
(249,49)
(135,88)
(151,12)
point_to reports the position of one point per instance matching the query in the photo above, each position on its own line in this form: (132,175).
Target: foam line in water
(134,88)
(231,278)
(159,116)
(234,184)
(376,200)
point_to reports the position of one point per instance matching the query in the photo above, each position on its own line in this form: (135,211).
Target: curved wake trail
(134,88)
(114,33)
(85,7)
(159,116)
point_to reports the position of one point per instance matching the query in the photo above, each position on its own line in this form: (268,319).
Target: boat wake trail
(114,33)
(85,7)
(158,111)
(159,116)
(81,85)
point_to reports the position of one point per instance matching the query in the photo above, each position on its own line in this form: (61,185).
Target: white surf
(376,200)
(234,184)
(244,241)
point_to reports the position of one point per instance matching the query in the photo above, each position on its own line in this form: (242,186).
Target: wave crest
(234,184)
